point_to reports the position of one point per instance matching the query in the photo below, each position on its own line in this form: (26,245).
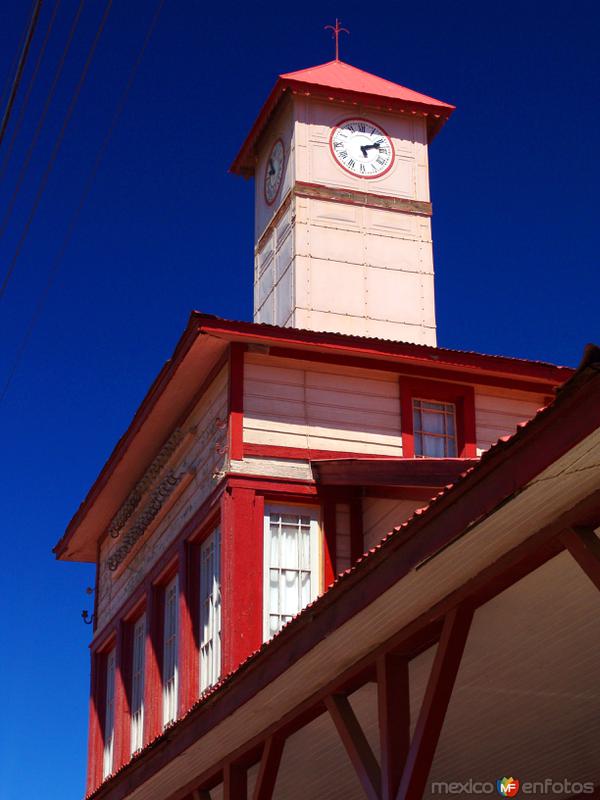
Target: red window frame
(463,398)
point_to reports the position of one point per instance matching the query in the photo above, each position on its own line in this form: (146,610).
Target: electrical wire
(80,205)
(20,67)
(13,66)
(34,74)
(42,119)
(56,148)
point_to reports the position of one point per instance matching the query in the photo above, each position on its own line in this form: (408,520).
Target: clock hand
(365,147)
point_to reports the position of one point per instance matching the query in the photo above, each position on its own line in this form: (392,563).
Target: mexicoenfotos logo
(510,787)
(507,787)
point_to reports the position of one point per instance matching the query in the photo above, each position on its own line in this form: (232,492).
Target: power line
(80,205)
(23,109)
(20,67)
(42,119)
(56,148)
(13,66)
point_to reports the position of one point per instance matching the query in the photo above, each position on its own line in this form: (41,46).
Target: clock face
(362,148)
(274,171)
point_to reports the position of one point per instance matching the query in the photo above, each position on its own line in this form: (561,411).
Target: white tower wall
(339,253)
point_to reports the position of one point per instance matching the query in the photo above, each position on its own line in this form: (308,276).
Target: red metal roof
(353,344)
(342,82)
(339,75)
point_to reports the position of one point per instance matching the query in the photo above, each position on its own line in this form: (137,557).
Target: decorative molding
(155,504)
(275,219)
(163,494)
(316,191)
(127,509)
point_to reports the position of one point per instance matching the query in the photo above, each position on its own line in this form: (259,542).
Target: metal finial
(335,32)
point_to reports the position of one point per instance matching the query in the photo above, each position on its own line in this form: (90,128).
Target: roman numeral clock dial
(362,148)
(274,171)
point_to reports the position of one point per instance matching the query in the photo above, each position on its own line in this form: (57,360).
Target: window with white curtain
(137,684)
(210,610)
(109,715)
(292,564)
(170,666)
(434,429)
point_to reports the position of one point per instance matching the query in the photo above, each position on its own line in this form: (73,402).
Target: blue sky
(167,229)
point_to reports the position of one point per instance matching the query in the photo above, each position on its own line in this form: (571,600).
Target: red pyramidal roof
(344,83)
(338,75)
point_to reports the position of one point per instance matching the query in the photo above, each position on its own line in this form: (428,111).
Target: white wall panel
(498,412)
(320,409)
(381,515)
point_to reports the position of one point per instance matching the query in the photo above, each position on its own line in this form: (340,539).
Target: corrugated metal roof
(387,346)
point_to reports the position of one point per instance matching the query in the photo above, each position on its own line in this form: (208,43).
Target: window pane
(306,596)
(305,556)
(274,540)
(419,445)
(289,592)
(434,446)
(433,423)
(274,591)
(289,545)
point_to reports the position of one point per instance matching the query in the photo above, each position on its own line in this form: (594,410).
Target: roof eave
(436,114)
(68,542)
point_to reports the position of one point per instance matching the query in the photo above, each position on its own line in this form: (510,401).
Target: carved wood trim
(316,191)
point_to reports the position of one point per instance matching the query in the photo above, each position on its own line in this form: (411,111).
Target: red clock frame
(267,201)
(349,171)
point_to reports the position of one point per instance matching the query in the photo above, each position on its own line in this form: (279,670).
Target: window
(109,716)
(138,660)
(210,610)
(434,429)
(437,418)
(170,671)
(292,563)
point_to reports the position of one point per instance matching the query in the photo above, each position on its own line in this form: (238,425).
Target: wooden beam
(435,703)
(200,794)
(356,744)
(584,546)
(393,700)
(235,782)
(269,767)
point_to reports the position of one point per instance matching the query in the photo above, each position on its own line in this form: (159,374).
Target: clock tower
(342,206)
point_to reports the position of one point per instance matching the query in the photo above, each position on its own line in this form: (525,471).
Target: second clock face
(274,171)
(362,148)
